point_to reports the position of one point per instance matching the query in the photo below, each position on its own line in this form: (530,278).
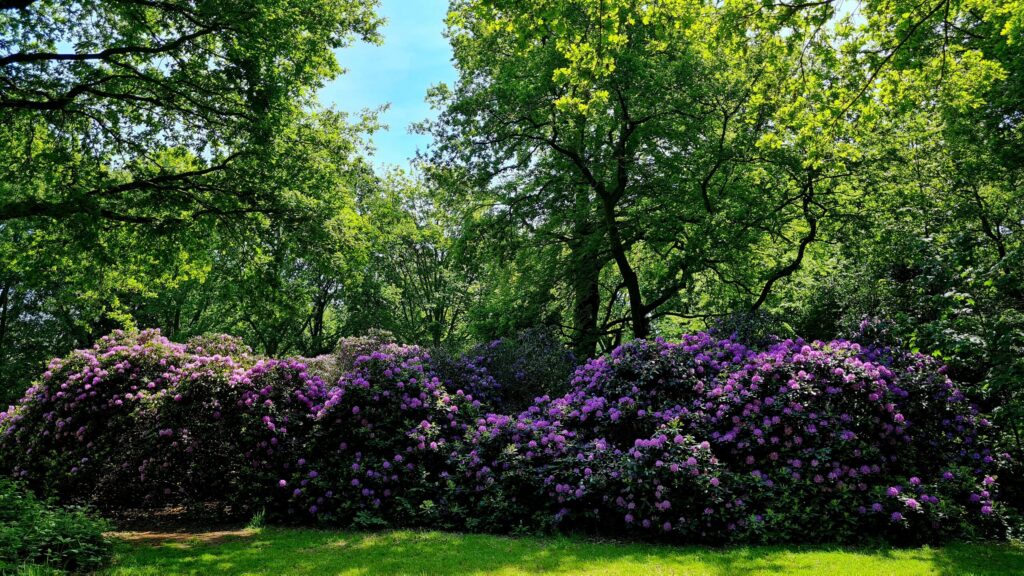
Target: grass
(277,551)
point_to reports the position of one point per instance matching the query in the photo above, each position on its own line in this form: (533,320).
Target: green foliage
(936,246)
(33,532)
(412,284)
(167,164)
(676,144)
(684,165)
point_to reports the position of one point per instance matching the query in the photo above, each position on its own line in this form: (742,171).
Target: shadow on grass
(982,560)
(288,552)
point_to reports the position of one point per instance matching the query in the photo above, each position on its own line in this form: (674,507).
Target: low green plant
(258,520)
(33,532)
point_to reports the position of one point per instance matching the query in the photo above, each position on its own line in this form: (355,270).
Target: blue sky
(413,57)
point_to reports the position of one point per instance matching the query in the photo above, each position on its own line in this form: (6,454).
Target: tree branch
(27,57)
(812,233)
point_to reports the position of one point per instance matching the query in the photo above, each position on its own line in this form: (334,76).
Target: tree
(412,284)
(280,282)
(153,153)
(937,251)
(93,92)
(539,257)
(687,144)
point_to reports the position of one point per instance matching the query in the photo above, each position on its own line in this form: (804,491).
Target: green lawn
(274,551)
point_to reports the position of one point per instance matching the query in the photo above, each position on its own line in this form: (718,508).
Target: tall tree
(92,91)
(412,284)
(938,248)
(152,152)
(669,131)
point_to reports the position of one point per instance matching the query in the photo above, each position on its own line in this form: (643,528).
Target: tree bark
(5,301)
(586,271)
(637,311)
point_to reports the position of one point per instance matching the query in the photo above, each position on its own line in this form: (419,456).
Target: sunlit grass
(275,551)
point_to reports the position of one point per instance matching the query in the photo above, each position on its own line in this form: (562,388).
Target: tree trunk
(637,311)
(585,264)
(5,300)
(316,329)
(586,270)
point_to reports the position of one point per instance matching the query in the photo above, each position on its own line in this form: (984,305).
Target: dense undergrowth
(33,532)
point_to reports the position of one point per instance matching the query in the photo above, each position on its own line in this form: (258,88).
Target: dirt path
(203,524)
(189,537)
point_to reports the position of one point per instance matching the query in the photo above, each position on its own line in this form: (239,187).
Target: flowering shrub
(509,373)
(231,431)
(609,455)
(468,373)
(378,449)
(351,348)
(333,365)
(140,421)
(176,446)
(854,441)
(857,441)
(532,473)
(325,366)
(67,435)
(699,440)
(218,344)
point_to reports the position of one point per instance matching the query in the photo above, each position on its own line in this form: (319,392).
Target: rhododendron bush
(699,440)
(507,374)
(378,449)
(712,441)
(140,421)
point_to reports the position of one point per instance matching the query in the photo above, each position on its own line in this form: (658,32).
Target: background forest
(601,170)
